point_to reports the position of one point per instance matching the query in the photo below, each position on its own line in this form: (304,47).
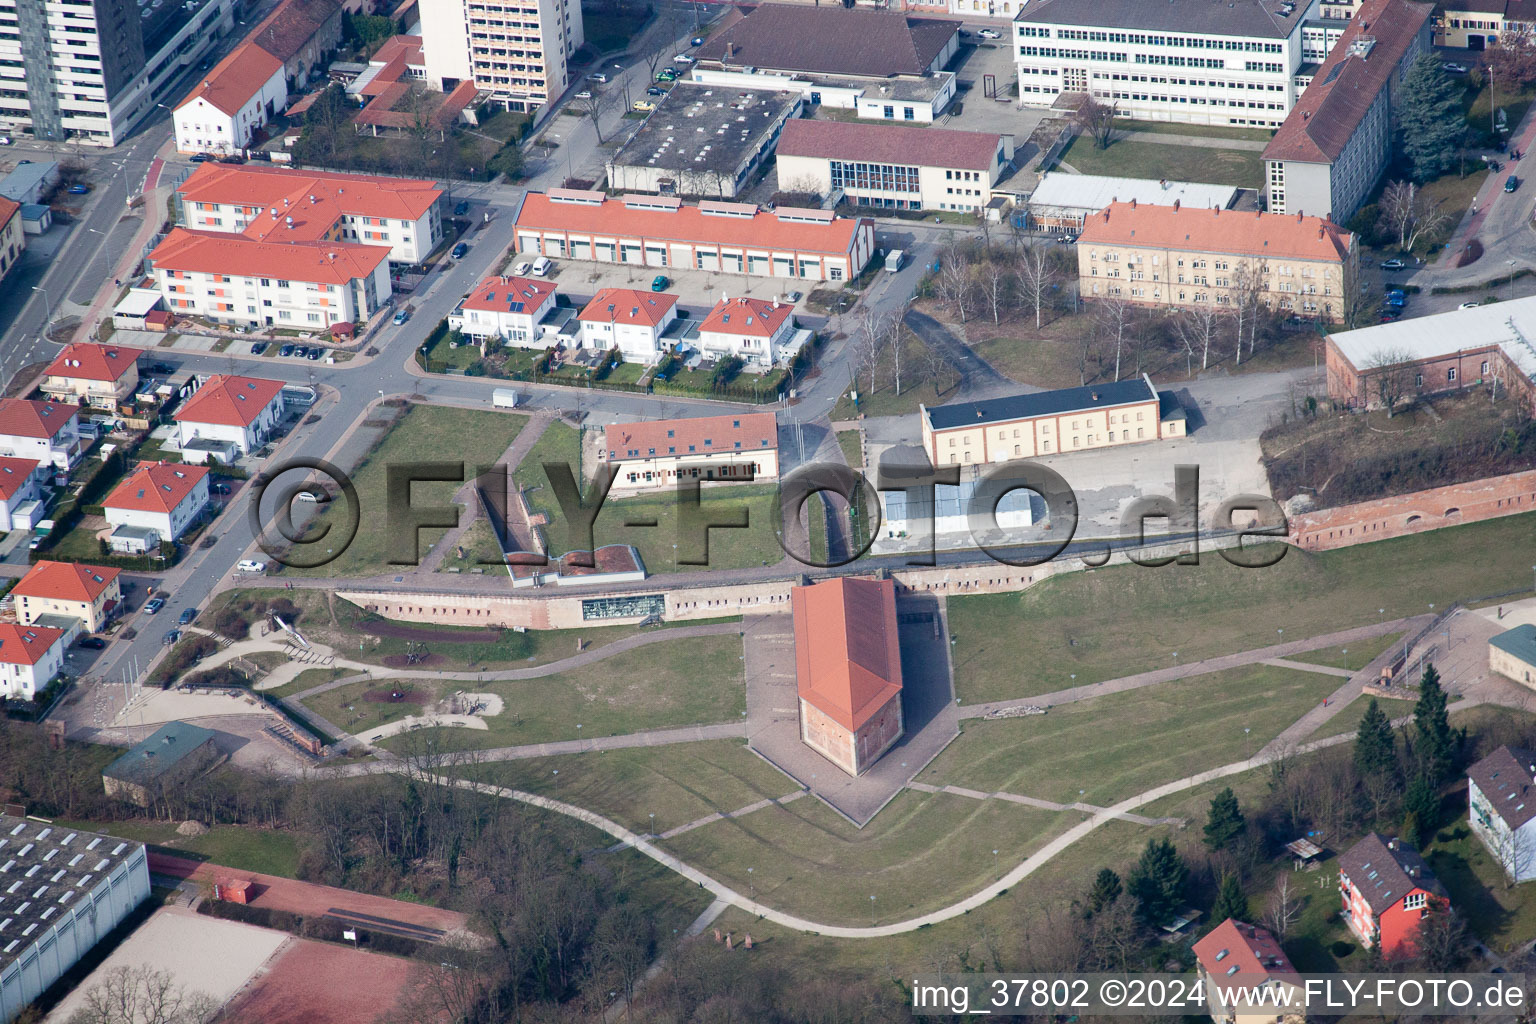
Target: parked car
(795,296)
(655,90)
(233,158)
(459,250)
(251,565)
(402,316)
(1392,264)
(1511,183)
(1390,314)
(598,76)
(200,158)
(220,488)
(91,643)
(461,209)
(1453,68)
(285,351)
(990,33)
(682,58)
(1396,299)
(153,605)
(316,352)
(666,75)
(696,41)
(79,190)
(1469,305)
(187,616)
(5,140)
(522,268)
(659,283)
(642,106)
(585,94)
(170,637)
(301,351)
(1066,239)
(542,266)
(258,347)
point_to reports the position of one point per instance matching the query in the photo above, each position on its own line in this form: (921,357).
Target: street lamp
(1511,265)
(47,302)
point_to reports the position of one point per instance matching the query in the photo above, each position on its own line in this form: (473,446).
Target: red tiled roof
(1270,235)
(759,318)
(314,199)
(627,306)
(235,79)
(155,487)
(500,294)
(612,218)
(229,401)
(292,25)
(847,651)
(209,252)
(65,581)
(22,417)
(406,48)
(13,474)
(889,144)
(8,209)
(85,361)
(1233,947)
(26,645)
(1323,120)
(703,435)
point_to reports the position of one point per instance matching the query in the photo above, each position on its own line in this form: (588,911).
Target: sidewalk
(152,201)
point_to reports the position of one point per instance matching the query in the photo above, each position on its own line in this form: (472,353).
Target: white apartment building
(166,497)
(518,51)
(30,656)
(47,432)
(762,332)
(239,95)
(509,308)
(242,411)
(628,320)
(88,71)
(1501,798)
(1193,61)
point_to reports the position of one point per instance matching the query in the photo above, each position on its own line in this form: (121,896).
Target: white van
(542,266)
(251,565)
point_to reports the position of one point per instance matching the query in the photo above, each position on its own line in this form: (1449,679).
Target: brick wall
(1352,386)
(1405,514)
(827,737)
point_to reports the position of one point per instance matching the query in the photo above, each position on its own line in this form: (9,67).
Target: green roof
(1520,642)
(158,754)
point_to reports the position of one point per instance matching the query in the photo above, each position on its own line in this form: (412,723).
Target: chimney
(1175,206)
(1298,216)
(1106,215)
(1133,202)
(1215,211)
(1321,232)
(1094,395)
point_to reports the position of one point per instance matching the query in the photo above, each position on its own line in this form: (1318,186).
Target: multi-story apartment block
(165,498)
(272,204)
(1478,24)
(1501,799)
(241,412)
(1171,256)
(893,166)
(1386,890)
(102,375)
(88,71)
(30,656)
(1193,61)
(89,594)
(659,453)
(518,51)
(1330,152)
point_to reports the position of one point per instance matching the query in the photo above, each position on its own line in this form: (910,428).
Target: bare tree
(1246,294)
(1098,120)
(994,284)
(873,335)
(598,102)
(897,346)
(1114,317)
(1392,375)
(1038,272)
(1018,222)
(955,281)
(142,995)
(1409,213)
(1285,905)
(1197,327)
(1512,59)
(1353,306)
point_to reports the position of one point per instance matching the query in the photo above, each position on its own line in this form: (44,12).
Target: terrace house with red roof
(1237,954)
(90,594)
(1387,889)
(30,656)
(102,376)
(1174,256)
(1330,152)
(761,332)
(241,412)
(46,432)
(159,498)
(21,481)
(231,102)
(631,321)
(893,166)
(737,448)
(848,669)
(512,309)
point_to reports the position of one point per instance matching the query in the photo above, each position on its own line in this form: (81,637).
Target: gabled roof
(229,401)
(759,318)
(628,306)
(1257,234)
(831,40)
(1385,870)
(14,473)
(287,30)
(1041,403)
(1508,780)
(155,487)
(889,144)
(65,581)
(85,361)
(313,200)
(703,435)
(847,650)
(1327,114)
(1235,947)
(1519,642)
(212,252)
(23,417)
(509,295)
(8,209)
(236,79)
(26,645)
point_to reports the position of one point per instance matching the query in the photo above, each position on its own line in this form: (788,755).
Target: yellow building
(89,593)
(1477,24)
(1051,422)
(13,239)
(1173,256)
(1512,654)
(103,375)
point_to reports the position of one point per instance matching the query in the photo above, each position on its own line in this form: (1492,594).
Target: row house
(45,432)
(659,453)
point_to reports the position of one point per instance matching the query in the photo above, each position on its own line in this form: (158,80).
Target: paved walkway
(1033,801)
(710,819)
(1302,666)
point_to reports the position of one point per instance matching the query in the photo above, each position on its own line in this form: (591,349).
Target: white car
(522,268)
(1469,305)
(585,94)
(990,33)
(682,58)
(251,565)
(542,266)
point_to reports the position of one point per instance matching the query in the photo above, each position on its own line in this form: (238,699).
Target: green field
(425,433)
(1121,744)
(1124,619)
(264,850)
(1354,657)
(678,783)
(481,550)
(1130,158)
(688,681)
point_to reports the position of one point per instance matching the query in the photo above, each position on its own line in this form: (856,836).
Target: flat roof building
(172,753)
(703,140)
(62,891)
(659,231)
(1062,202)
(834,40)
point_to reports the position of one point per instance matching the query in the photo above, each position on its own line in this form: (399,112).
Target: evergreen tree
(1421,808)
(1158,881)
(1375,748)
(1224,823)
(1437,742)
(1231,901)
(1430,119)
(1106,889)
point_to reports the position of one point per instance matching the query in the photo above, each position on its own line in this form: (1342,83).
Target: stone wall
(1384,518)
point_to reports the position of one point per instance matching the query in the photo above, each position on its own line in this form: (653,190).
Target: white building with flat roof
(1061,202)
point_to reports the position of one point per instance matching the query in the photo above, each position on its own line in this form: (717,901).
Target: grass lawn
(1133,159)
(692,680)
(1354,657)
(1125,619)
(426,433)
(917,387)
(1501,916)
(310,677)
(853,454)
(1456,195)
(268,851)
(918,854)
(678,783)
(1210,131)
(480,547)
(1121,744)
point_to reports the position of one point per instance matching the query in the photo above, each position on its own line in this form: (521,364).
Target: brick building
(848,669)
